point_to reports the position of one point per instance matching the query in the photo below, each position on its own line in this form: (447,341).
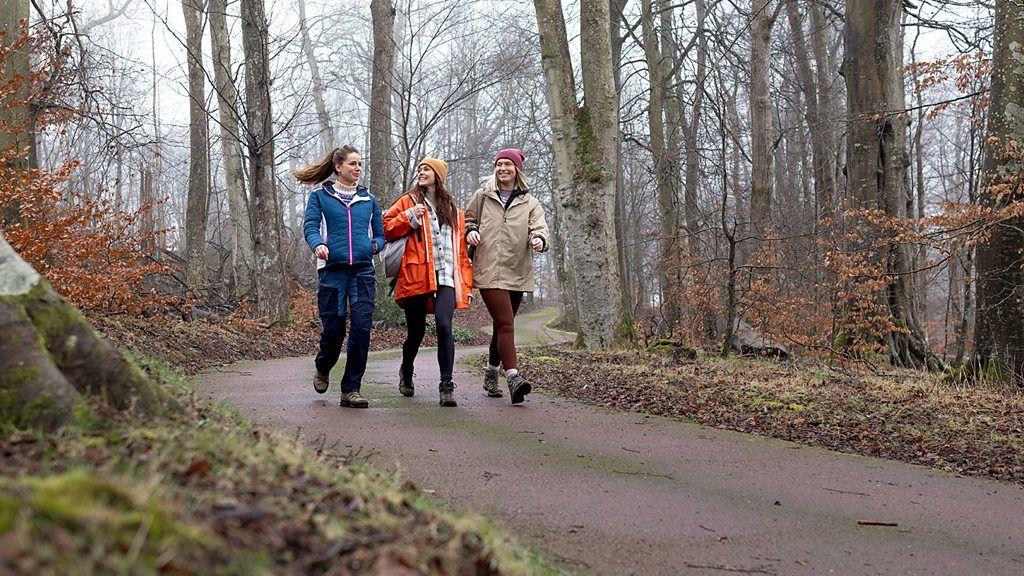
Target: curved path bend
(611,492)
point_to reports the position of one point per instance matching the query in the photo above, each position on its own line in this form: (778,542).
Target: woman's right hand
(419,211)
(473,238)
(322,252)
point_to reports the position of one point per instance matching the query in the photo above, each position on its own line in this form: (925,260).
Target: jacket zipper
(351,259)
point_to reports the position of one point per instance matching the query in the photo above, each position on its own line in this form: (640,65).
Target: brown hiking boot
(447,397)
(353,400)
(405,384)
(518,387)
(321,382)
(491,385)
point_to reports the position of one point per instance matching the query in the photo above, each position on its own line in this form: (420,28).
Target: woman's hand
(537,244)
(473,238)
(418,211)
(322,252)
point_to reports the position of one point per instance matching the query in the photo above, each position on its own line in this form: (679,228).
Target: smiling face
(505,172)
(350,169)
(425,176)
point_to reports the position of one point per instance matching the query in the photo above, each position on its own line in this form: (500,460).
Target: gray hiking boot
(405,385)
(491,385)
(447,389)
(518,387)
(353,400)
(321,382)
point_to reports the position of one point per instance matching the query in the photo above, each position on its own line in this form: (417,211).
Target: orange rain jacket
(416,275)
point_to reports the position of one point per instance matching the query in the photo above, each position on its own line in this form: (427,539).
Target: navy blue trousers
(345,292)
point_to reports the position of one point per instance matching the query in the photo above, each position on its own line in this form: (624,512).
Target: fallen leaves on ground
(900,414)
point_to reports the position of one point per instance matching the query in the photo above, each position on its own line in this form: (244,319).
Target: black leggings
(502,305)
(416,326)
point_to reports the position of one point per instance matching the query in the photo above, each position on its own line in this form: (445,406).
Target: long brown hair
(446,211)
(317,172)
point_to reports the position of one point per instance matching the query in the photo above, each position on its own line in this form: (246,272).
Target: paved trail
(619,493)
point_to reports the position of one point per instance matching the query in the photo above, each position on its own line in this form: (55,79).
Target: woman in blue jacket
(343,228)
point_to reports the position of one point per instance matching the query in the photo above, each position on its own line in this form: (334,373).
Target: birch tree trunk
(999,334)
(231,149)
(51,359)
(382,177)
(585,159)
(877,159)
(197,206)
(268,267)
(762,19)
(324,119)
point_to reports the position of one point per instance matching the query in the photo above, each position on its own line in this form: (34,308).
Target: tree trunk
(663,174)
(691,130)
(326,131)
(199,158)
(15,113)
(147,202)
(877,159)
(231,149)
(584,144)
(825,130)
(382,177)
(625,276)
(762,19)
(50,357)
(821,153)
(999,334)
(268,267)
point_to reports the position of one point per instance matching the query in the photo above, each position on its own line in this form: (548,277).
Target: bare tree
(271,290)
(231,149)
(199,154)
(585,150)
(326,130)
(877,159)
(761,132)
(16,128)
(382,179)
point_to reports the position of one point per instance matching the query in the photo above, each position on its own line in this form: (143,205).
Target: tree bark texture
(877,159)
(999,333)
(691,131)
(231,149)
(761,153)
(268,267)
(50,358)
(585,157)
(382,173)
(198,202)
(664,175)
(323,118)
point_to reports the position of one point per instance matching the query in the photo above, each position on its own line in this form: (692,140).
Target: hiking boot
(446,389)
(518,387)
(353,400)
(321,382)
(491,385)
(405,385)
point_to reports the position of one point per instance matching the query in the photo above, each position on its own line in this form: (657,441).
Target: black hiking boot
(518,387)
(321,382)
(447,397)
(405,385)
(491,385)
(353,400)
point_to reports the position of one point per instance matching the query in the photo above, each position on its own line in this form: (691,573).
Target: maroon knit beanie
(514,155)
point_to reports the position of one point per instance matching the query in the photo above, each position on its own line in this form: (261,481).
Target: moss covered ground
(202,492)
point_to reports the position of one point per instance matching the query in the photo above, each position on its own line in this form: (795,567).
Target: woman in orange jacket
(435,274)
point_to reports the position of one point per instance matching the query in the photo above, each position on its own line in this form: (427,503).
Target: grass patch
(898,414)
(202,491)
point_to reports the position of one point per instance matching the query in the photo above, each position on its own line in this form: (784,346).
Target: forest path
(613,492)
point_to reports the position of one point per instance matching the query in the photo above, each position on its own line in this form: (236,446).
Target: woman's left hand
(537,244)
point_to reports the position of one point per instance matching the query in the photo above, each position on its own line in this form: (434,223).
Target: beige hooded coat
(504,258)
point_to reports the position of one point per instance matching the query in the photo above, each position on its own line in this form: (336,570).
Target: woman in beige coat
(504,223)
